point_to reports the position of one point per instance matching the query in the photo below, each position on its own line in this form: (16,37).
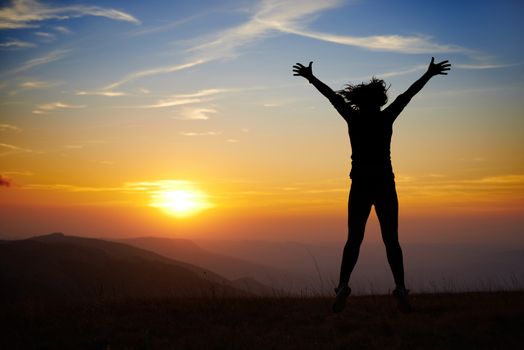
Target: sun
(180,203)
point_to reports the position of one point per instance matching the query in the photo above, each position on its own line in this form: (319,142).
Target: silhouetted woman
(372,179)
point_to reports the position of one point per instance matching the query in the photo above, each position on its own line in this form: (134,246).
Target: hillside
(68,268)
(438,321)
(224,265)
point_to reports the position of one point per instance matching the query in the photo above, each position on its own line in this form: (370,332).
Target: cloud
(36,84)
(63,30)
(7,149)
(196,114)
(166,26)
(16,44)
(205,133)
(154,71)
(32,85)
(157,185)
(509,179)
(291,17)
(35,62)
(71,188)
(390,74)
(273,17)
(106,93)
(9,127)
(127,187)
(486,65)
(183,99)
(45,36)
(5,181)
(491,190)
(420,68)
(27,13)
(48,107)
(268,19)
(225,43)
(395,43)
(17,172)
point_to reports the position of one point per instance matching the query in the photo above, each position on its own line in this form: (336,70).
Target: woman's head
(370,95)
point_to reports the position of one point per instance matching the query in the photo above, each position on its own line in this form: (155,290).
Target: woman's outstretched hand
(303,71)
(438,68)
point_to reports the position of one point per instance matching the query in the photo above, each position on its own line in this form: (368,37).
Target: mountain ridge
(68,268)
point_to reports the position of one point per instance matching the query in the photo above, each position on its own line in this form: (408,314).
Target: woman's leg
(359,207)
(386,207)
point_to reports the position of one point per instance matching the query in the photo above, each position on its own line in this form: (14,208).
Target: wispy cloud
(183,99)
(45,36)
(106,93)
(420,68)
(272,17)
(509,179)
(399,72)
(204,133)
(268,19)
(7,149)
(16,44)
(38,61)
(33,85)
(486,65)
(71,188)
(126,187)
(48,107)
(165,26)
(158,185)
(27,13)
(63,30)
(195,113)
(291,17)
(395,43)
(36,84)
(491,190)
(17,172)
(9,127)
(155,71)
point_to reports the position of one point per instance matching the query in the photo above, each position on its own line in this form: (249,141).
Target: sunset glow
(133,117)
(180,203)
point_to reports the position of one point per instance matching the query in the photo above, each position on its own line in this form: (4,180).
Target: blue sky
(142,36)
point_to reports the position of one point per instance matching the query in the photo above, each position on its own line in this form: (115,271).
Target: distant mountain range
(63,267)
(280,280)
(68,267)
(429,267)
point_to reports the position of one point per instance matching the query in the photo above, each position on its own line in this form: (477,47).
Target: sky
(183,118)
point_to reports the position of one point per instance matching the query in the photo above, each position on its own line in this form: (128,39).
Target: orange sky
(94,128)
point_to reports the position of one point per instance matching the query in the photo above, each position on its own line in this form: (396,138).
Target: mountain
(60,267)
(429,267)
(243,270)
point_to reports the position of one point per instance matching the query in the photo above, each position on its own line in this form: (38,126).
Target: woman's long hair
(366,94)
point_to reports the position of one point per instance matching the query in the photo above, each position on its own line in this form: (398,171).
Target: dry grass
(438,321)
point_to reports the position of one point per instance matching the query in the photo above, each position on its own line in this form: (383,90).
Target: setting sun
(180,202)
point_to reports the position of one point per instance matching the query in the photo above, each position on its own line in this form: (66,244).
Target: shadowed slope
(69,268)
(254,275)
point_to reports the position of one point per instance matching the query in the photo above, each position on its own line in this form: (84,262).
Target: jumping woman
(372,178)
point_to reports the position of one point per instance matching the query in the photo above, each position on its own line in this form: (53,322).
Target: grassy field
(438,321)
